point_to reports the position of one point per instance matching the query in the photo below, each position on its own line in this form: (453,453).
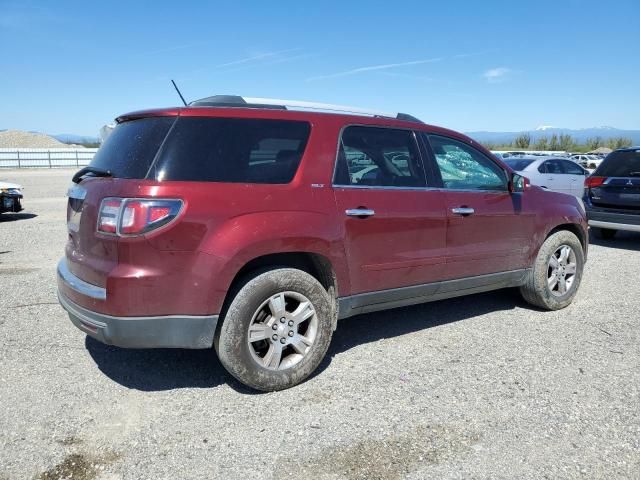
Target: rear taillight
(591,182)
(133,216)
(108,216)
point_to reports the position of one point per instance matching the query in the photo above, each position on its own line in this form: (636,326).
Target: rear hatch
(159,153)
(615,184)
(126,154)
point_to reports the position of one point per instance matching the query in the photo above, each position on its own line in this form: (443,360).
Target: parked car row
(551,173)
(590,162)
(611,193)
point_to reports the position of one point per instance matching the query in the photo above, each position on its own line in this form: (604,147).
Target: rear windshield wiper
(634,174)
(97,172)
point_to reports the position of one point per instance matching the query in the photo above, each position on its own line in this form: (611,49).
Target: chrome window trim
(417,145)
(373,187)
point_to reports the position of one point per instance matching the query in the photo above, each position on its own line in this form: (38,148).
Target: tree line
(563,142)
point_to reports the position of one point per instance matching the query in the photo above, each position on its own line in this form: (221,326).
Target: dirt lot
(476,387)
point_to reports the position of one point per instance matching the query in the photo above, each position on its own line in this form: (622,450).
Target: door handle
(464,211)
(360,212)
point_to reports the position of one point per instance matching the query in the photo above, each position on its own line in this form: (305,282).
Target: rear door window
(620,164)
(554,167)
(379,157)
(232,150)
(572,168)
(129,150)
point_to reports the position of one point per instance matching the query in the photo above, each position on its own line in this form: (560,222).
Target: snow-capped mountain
(579,135)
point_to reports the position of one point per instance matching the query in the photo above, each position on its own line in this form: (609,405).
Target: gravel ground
(475,387)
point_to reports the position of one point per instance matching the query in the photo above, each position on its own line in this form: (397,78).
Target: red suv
(254,225)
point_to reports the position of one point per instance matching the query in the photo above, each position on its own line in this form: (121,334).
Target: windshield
(518,165)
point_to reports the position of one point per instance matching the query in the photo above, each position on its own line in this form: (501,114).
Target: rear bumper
(614,225)
(171,331)
(614,220)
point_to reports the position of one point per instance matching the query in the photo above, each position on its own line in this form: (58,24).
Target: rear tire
(276,330)
(604,233)
(553,281)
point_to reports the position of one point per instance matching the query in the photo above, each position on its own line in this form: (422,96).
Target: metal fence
(45,157)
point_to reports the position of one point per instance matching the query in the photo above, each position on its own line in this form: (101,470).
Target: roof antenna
(178,90)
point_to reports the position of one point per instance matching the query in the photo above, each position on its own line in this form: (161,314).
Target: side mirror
(518,183)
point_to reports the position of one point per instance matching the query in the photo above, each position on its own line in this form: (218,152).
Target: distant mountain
(73,138)
(579,135)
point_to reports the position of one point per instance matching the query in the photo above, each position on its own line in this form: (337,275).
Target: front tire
(553,281)
(276,330)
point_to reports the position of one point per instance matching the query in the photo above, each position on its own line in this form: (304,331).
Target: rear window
(620,164)
(130,149)
(518,165)
(232,150)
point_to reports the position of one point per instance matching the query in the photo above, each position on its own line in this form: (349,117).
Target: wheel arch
(573,228)
(315,264)
(576,230)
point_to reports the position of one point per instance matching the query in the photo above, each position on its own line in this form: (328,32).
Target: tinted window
(518,165)
(572,168)
(130,149)
(620,164)
(381,157)
(464,168)
(232,150)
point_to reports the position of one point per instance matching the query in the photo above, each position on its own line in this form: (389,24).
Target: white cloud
(497,75)
(371,68)
(261,56)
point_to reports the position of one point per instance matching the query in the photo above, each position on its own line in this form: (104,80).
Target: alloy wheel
(561,270)
(282,330)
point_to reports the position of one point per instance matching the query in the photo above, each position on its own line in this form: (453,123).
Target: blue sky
(70,67)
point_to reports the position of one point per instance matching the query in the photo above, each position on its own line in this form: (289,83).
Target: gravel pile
(19,139)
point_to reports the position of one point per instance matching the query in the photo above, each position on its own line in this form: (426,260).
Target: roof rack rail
(279,104)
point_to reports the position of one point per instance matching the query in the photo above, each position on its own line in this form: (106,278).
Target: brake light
(130,217)
(591,182)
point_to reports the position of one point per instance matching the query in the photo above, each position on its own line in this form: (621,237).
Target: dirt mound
(20,139)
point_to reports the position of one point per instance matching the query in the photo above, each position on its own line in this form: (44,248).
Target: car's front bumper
(10,203)
(170,331)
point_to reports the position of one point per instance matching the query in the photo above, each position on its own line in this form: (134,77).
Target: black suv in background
(612,194)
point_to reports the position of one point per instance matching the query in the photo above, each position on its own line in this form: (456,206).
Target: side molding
(430,292)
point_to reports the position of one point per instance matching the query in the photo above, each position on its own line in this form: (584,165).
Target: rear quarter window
(620,164)
(232,150)
(130,149)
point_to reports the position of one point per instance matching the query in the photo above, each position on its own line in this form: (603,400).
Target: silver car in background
(553,173)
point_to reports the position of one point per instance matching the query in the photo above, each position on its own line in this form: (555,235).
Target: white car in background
(590,162)
(553,173)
